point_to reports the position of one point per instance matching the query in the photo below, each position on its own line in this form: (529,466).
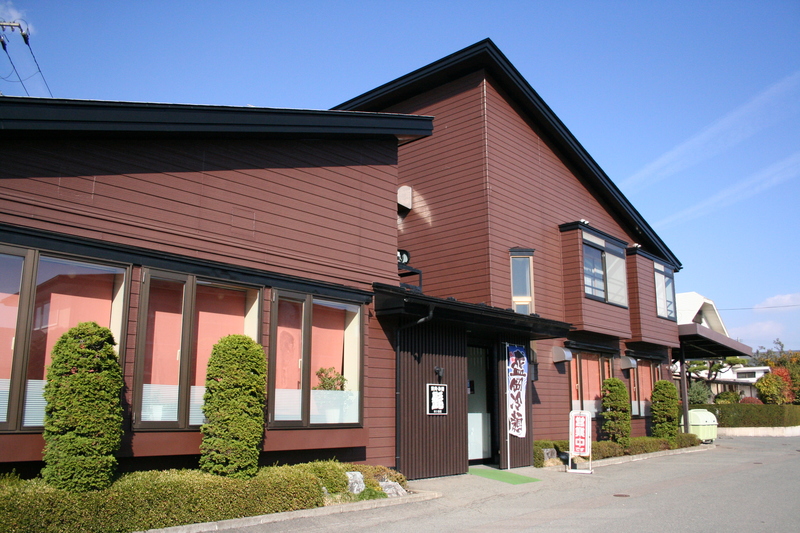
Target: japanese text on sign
(517,386)
(580,433)
(437,399)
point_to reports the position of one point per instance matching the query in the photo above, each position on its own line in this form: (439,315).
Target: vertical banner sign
(517,385)
(580,433)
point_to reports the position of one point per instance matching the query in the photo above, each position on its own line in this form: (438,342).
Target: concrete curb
(416,496)
(639,457)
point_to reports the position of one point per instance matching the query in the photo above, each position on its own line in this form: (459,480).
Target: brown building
(530,279)
(509,211)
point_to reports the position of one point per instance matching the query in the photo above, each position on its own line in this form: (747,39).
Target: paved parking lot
(743,484)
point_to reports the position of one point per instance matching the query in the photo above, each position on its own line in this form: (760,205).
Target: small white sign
(580,440)
(437,399)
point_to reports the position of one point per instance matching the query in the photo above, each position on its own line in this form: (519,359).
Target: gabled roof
(22,115)
(694,307)
(701,330)
(486,55)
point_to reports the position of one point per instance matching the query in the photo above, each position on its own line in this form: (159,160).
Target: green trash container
(703,424)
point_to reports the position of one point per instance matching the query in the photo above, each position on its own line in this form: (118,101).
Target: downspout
(397,382)
(684,393)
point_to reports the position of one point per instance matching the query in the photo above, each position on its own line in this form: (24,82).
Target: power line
(758,307)
(5,49)
(25,37)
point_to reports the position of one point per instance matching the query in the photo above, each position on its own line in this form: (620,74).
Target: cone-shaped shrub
(616,412)
(83,416)
(664,408)
(234,407)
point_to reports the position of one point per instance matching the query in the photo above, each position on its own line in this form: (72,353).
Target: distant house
(443,242)
(704,337)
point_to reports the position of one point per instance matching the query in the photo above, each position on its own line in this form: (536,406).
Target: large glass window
(185,318)
(604,274)
(316,368)
(665,291)
(521,281)
(41,297)
(588,372)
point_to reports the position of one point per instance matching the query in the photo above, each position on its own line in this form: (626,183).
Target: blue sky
(692,108)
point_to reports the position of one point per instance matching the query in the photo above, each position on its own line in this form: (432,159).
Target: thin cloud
(781,302)
(758,333)
(774,104)
(767,178)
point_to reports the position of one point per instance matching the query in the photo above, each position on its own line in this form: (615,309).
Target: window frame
(307,300)
(578,379)
(25,322)
(525,299)
(642,410)
(667,274)
(611,250)
(187,340)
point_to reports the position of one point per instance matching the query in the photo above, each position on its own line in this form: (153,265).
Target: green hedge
(155,499)
(641,445)
(687,440)
(332,474)
(743,415)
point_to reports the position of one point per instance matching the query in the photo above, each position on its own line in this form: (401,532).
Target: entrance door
(479,419)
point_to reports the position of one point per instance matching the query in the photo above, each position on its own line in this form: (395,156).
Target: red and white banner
(580,433)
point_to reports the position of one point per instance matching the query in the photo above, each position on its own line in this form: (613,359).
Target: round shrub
(332,474)
(616,412)
(83,415)
(726,397)
(687,440)
(750,399)
(664,408)
(234,402)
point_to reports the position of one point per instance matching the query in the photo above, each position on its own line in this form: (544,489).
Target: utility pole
(26,36)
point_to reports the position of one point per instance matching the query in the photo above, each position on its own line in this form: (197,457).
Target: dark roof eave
(485,55)
(393,300)
(700,342)
(22,114)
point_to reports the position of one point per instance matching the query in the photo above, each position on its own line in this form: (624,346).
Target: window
(745,375)
(315,368)
(183,317)
(604,274)
(642,379)
(665,291)
(588,372)
(521,280)
(41,297)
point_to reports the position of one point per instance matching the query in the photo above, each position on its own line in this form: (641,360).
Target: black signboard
(437,399)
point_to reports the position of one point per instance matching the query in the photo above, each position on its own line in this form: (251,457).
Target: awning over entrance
(391,300)
(700,342)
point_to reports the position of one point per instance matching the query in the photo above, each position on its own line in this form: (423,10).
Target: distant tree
(773,389)
(779,357)
(699,392)
(709,370)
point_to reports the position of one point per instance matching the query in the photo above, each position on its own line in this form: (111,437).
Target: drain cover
(622,495)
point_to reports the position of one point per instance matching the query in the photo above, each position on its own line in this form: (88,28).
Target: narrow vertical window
(665,291)
(162,353)
(522,280)
(10,285)
(289,361)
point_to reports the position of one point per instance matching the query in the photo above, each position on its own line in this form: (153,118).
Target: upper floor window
(41,297)
(181,319)
(522,280)
(665,291)
(604,274)
(315,361)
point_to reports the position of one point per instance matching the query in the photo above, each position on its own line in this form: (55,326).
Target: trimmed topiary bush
(664,408)
(616,412)
(332,474)
(234,401)
(83,415)
(750,399)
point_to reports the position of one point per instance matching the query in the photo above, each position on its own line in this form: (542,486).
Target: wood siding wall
(646,325)
(447,230)
(322,210)
(432,445)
